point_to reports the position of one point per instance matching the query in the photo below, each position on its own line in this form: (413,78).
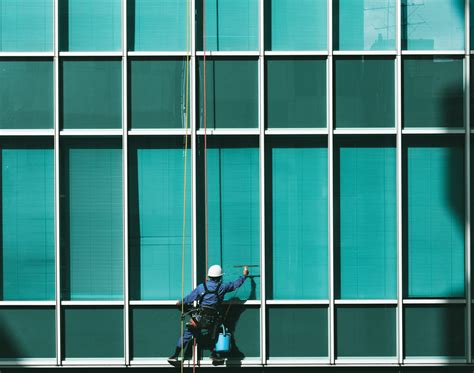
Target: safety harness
(205,316)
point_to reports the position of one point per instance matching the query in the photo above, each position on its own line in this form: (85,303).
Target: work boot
(174,359)
(216,358)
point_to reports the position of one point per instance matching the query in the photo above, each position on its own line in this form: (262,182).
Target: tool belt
(204,318)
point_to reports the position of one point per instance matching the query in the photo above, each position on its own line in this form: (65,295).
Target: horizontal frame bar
(433,131)
(30,132)
(228,54)
(296,131)
(159,132)
(365,301)
(433,53)
(415,361)
(91,132)
(93,362)
(365,131)
(296,53)
(434,301)
(157,54)
(218,132)
(85,303)
(365,53)
(285,361)
(32,303)
(297,302)
(91,54)
(366,361)
(28,362)
(26,54)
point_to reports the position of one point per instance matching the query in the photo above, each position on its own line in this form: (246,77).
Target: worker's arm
(231,286)
(191,297)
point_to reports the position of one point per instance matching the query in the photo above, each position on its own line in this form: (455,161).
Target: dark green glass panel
(297,219)
(433,25)
(366,219)
(296,93)
(26,93)
(295,25)
(27,333)
(434,331)
(297,332)
(26,26)
(90,25)
(433,92)
(27,228)
(364,24)
(434,216)
(156,218)
(92,227)
(92,94)
(93,332)
(366,331)
(231,93)
(471,18)
(231,25)
(157,25)
(158,93)
(364,92)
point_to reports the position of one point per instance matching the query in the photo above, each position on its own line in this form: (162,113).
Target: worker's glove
(178,304)
(245,272)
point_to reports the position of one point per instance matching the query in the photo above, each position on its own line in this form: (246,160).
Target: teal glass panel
(366,219)
(295,93)
(364,24)
(231,93)
(471,18)
(26,93)
(296,332)
(158,93)
(364,92)
(27,333)
(231,25)
(157,25)
(90,25)
(366,331)
(233,200)
(434,217)
(295,25)
(433,25)
(27,229)
(93,332)
(91,93)
(297,219)
(92,227)
(434,331)
(433,92)
(156,218)
(26,26)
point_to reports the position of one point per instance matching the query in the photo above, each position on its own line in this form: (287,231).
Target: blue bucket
(223,341)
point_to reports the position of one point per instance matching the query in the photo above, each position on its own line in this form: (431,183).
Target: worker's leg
(182,343)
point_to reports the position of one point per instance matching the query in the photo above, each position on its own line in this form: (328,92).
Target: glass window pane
(366,331)
(26,25)
(297,332)
(231,25)
(158,93)
(364,92)
(157,25)
(27,333)
(26,94)
(295,93)
(295,25)
(297,219)
(91,93)
(231,93)
(433,92)
(90,25)
(92,228)
(434,331)
(156,182)
(364,24)
(433,25)
(93,332)
(434,216)
(27,229)
(233,199)
(366,218)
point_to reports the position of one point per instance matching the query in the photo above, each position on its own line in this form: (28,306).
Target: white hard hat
(215,271)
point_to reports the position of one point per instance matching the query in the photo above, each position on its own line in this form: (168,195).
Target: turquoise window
(92,228)
(295,93)
(433,25)
(366,219)
(298,219)
(295,25)
(157,25)
(26,93)
(158,93)
(231,25)
(231,93)
(26,25)
(364,92)
(91,94)
(156,218)
(233,200)
(27,192)
(433,92)
(90,25)
(364,24)
(434,216)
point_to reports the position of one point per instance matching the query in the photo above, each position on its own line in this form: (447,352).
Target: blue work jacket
(213,299)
